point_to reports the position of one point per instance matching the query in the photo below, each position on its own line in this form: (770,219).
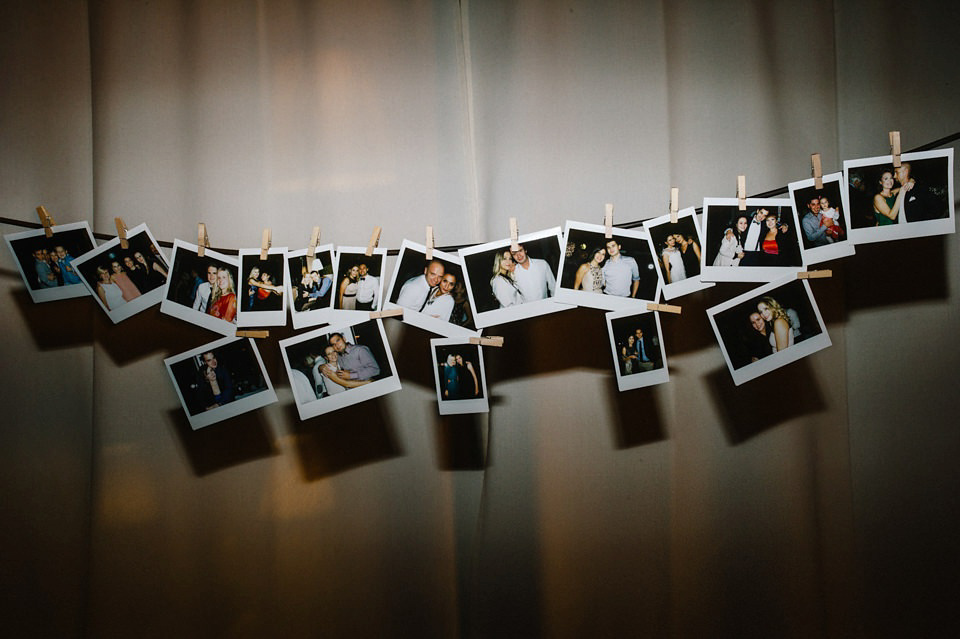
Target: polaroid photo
(261,292)
(822,215)
(333,367)
(505,285)
(610,274)
(636,343)
(768,327)
(432,294)
(46,263)
(460,378)
(125,281)
(310,289)
(759,244)
(358,283)
(888,203)
(220,380)
(202,290)
(678,249)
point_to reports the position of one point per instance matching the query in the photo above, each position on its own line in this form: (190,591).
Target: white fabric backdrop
(797,505)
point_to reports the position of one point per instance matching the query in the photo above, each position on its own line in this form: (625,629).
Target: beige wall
(816,501)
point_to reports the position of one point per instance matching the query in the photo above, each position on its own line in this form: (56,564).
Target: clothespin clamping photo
(608,222)
(46,220)
(429,243)
(312,248)
(514,235)
(256,334)
(374,241)
(674,204)
(390,312)
(121,232)
(203,241)
(742,192)
(895,148)
(489,340)
(663,308)
(817,171)
(265,242)
(814,275)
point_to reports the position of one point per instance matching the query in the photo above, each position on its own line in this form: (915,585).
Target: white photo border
(842,248)
(61,292)
(460,406)
(188,314)
(313,316)
(690,284)
(246,319)
(636,380)
(340,316)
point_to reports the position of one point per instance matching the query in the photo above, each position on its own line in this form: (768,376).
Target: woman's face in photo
(451,360)
(824,204)
(599,256)
(128,261)
(671,241)
(765,311)
(771,222)
(631,340)
(223,280)
(116,267)
(447,283)
(353,273)
(742,224)
(138,256)
(254,272)
(210,374)
(459,360)
(886,180)
(331,354)
(104,274)
(506,262)
(265,278)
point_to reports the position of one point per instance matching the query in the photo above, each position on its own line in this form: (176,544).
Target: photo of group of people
(507,284)
(46,263)
(607,273)
(758,244)
(125,281)
(910,200)
(679,250)
(220,380)
(459,377)
(432,292)
(638,353)
(262,301)
(358,281)
(202,290)
(330,368)
(310,285)
(822,218)
(768,327)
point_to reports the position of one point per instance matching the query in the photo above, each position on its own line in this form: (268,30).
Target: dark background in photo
(413,262)
(365,334)
(250,299)
(298,267)
(189,270)
(864,183)
(801,197)
(136,243)
(236,358)
(469,353)
(581,245)
(686,226)
(480,268)
(736,331)
(76,242)
(723,216)
(623,327)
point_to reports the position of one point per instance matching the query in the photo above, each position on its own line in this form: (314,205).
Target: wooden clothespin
(608,222)
(814,275)
(490,340)
(203,242)
(121,232)
(674,204)
(255,334)
(374,241)
(817,171)
(742,192)
(46,220)
(663,308)
(391,312)
(265,242)
(429,243)
(895,148)
(312,248)
(514,235)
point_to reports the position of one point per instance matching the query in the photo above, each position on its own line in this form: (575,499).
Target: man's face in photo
(212,274)
(520,255)
(338,343)
(434,272)
(757,322)
(613,249)
(814,205)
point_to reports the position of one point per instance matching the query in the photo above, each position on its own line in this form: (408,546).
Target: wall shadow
(56,325)
(460,442)
(637,416)
(903,278)
(229,443)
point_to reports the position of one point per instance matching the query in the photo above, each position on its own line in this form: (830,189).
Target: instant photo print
(202,290)
(333,367)
(358,285)
(610,274)
(220,380)
(678,252)
(892,203)
(768,327)
(759,244)
(460,379)
(260,293)
(639,358)
(432,293)
(310,286)
(505,286)
(46,263)
(125,281)
(823,217)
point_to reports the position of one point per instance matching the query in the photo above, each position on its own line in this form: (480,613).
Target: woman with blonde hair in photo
(504,287)
(223,299)
(779,324)
(108,292)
